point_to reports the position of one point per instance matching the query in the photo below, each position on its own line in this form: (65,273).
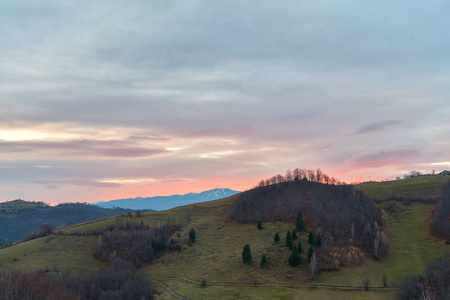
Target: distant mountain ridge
(167,202)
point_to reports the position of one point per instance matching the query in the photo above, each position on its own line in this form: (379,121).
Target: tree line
(300,174)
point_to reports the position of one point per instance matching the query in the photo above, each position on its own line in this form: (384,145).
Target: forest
(346,219)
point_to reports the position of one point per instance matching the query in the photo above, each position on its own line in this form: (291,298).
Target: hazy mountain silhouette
(167,202)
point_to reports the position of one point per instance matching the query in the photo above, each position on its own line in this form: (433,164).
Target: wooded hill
(20,218)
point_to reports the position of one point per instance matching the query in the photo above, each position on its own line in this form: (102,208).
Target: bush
(294,258)
(192,236)
(311,238)
(294,235)
(259,226)
(310,253)
(299,222)
(247,255)
(289,240)
(264,262)
(276,238)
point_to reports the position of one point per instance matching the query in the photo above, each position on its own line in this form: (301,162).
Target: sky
(102,100)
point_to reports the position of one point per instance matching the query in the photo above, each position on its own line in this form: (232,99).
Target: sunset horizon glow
(106,100)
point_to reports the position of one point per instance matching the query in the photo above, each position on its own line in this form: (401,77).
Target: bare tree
(313,266)
(319,175)
(288,176)
(311,175)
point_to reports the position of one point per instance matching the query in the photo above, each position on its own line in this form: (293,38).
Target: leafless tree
(313,266)
(319,175)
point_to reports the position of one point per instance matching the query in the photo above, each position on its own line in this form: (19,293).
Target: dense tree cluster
(17,284)
(440,223)
(136,242)
(435,284)
(341,215)
(300,174)
(121,281)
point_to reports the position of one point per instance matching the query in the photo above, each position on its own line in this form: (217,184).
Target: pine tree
(259,226)
(299,247)
(311,238)
(310,253)
(276,238)
(289,240)
(299,223)
(192,236)
(294,235)
(247,255)
(319,240)
(264,262)
(294,258)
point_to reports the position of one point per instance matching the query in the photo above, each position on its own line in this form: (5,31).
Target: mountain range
(167,202)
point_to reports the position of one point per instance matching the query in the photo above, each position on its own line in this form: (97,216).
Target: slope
(216,260)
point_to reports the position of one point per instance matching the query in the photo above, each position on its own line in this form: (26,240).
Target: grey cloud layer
(292,83)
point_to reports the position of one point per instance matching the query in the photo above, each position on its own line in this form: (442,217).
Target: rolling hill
(212,267)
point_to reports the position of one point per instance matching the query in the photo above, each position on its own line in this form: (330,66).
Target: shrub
(289,240)
(299,222)
(276,238)
(294,258)
(259,226)
(247,255)
(192,236)
(294,235)
(264,262)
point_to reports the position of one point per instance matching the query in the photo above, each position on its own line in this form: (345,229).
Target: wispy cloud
(377,126)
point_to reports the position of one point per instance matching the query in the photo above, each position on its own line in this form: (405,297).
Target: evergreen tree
(299,223)
(247,255)
(310,253)
(311,238)
(319,240)
(294,258)
(264,262)
(192,236)
(259,226)
(289,239)
(276,238)
(299,247)
(294,235)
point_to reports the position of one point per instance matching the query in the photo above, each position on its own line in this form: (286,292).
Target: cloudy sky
(102,100)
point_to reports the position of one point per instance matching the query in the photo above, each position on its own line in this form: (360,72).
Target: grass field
(423,186)
(216,256)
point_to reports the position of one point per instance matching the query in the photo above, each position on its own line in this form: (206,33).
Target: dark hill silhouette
(19,218)
(343,215)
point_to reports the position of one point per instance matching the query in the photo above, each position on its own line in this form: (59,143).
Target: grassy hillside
(216,259)
(423,186)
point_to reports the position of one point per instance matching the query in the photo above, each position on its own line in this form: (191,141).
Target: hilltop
(212,266)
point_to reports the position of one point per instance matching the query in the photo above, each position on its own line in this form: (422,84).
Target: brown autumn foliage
(20,285)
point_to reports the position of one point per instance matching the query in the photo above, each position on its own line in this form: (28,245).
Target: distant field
(216,256)
(423,186)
